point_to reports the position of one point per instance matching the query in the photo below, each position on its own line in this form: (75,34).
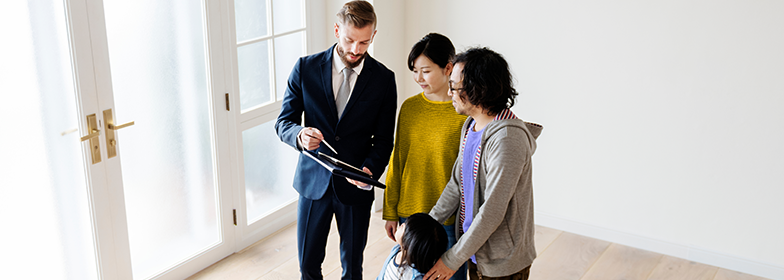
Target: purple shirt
(469,155)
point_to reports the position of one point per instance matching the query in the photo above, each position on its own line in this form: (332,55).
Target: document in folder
(342,169)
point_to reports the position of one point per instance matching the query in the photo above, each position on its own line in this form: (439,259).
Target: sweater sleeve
(394,178)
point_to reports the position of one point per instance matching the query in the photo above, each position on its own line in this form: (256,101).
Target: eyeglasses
(453,90)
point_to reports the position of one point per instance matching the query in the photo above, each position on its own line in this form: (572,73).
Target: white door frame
(247,234)
(89,51)
(111,236)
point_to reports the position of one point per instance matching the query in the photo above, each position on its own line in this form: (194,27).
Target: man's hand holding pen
(310,138)
(313,136)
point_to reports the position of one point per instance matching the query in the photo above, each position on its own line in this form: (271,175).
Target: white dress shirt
(337,79)
(337,75)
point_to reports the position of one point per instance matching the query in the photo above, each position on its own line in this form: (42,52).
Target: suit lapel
(362,81)
(326,79)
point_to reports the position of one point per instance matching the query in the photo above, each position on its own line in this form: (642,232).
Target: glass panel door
(148,200)
(44,202)
(161,81)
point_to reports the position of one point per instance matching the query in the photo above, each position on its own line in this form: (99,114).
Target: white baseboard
(666,248)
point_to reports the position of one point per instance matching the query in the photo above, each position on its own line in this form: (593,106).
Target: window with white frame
(270,37)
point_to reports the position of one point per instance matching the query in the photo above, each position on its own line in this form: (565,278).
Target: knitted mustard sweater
(427,142)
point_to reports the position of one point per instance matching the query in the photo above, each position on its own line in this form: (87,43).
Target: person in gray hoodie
(490,188)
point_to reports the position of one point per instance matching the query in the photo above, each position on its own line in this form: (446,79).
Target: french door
(157,154)
(167,78)
(121,155)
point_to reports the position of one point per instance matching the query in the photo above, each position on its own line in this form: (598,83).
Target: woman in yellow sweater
(427,139)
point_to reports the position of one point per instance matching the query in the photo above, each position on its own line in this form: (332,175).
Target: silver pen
(325,143)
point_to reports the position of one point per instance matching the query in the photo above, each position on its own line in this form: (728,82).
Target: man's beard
(350,64)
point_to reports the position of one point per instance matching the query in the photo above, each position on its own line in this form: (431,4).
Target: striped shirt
(395,272)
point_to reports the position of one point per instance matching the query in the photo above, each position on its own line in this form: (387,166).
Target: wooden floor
(561,255)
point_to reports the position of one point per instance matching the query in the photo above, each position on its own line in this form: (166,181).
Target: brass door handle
(112,126)
(108,118)
(95,149)
(64,133)
(95,133)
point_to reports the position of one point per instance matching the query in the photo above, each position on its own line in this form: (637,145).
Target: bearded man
(349,101)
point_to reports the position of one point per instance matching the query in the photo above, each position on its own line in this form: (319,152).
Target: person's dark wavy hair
(423,242)
(434,46)
(487,81)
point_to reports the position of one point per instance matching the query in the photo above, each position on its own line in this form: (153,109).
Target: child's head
(423,242)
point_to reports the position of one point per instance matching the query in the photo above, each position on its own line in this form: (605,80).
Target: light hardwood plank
(623,262)
(255,260)
(568,257)
(375,255)
(724,274)
(562,255)
(543,237)
(672,268)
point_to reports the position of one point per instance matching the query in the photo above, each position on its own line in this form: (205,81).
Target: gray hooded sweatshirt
(502,232)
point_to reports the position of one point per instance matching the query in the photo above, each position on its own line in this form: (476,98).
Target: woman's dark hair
(434,46)
(487,81)
(423,242)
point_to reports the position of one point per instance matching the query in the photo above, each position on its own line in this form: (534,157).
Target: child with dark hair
(421,242)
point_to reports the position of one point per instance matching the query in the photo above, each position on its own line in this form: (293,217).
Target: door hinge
(234,211)
(227,102)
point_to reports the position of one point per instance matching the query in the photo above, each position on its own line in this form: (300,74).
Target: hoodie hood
(507,119)
(534,128)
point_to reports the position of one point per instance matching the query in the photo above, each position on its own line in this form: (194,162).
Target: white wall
(663,123)
(662,118)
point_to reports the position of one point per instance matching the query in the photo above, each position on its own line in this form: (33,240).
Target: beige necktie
(342,99)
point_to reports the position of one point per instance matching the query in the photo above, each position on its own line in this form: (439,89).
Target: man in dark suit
(349,101)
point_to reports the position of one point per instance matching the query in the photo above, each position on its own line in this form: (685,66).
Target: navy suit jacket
(363,137)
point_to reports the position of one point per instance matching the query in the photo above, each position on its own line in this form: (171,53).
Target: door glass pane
(44,207)
(269,171)
(160,81)
(250,16)
(287,50)
(287,15)
(254,75)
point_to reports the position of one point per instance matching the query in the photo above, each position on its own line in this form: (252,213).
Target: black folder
(343,169)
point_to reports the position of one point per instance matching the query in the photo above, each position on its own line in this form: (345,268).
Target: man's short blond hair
(357,13)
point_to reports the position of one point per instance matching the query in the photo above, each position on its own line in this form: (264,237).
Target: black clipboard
(342,169)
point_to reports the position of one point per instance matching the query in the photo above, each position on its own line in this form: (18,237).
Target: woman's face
(429,76)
